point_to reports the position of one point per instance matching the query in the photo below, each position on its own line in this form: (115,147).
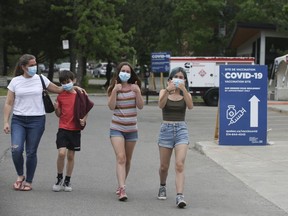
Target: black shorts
(68,139)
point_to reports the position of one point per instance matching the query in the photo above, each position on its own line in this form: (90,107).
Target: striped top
(125,113)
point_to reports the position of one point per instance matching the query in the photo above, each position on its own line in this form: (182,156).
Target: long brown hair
(132,79)
(23,60)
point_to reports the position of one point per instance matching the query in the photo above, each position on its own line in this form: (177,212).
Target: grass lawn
(3,91)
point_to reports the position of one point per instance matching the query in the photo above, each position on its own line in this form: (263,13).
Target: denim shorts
(172,134)
(128,136)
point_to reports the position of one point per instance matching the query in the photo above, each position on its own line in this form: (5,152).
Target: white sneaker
(58,186)
(162,193)
(67,188)
(180,202)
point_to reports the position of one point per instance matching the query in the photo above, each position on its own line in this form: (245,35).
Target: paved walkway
(262,168)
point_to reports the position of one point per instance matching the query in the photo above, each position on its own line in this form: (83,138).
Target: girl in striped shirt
(125,97)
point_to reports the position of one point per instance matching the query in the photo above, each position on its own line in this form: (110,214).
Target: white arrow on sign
(254,111)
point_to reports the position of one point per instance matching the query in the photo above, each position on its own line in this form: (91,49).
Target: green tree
(183,27)
(30,27)
(8,28)
(203,26)
(94,31)
(149,19)
(118,29)
(266,12)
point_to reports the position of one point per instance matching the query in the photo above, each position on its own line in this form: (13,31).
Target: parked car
(41,68)
(64,66)
(100,70)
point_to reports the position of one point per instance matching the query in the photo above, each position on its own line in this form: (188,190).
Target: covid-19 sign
(243,105)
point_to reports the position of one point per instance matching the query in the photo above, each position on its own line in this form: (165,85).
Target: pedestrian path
(262,168)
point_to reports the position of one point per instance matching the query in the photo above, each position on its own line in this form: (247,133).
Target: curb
(276,109)
(202,146)
(198,147)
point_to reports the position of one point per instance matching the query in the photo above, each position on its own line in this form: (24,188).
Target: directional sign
(243,105)
(254,101)
(160,62)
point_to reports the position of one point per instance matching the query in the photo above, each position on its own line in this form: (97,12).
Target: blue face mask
(32,70)
(124,77)
(177,81)
(67,86)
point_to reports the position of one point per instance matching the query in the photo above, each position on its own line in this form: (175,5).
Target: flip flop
(25,187)
(18,184)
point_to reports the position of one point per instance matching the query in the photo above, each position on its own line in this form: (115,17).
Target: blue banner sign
(160,62)
(243,105)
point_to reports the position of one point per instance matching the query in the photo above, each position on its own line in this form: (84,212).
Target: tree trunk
(2,66)
(81,71)
(51,70)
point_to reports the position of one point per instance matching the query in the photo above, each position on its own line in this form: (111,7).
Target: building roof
(245,31)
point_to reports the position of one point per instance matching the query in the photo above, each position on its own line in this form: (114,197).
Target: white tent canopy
(279,84)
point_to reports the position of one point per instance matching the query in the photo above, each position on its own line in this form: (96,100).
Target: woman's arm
(113,96)
(164,93)
(7,110)
(139,98)
(163,96)
(58,89)
(112,99)
(187,96)
(54,88)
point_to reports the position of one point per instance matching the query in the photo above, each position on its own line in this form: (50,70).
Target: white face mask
(124,77)
(177,81)
(32,70)
(67,86)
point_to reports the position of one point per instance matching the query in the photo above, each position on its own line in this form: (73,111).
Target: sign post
(160,62)
(65,44)
(243,105)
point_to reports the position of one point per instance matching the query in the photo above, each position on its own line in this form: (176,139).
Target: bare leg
(70,162)
(61,160)
(129,148)
(118,144)
(180,156)
(165,156)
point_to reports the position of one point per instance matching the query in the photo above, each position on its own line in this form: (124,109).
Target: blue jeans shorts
(172,134)
(128,136)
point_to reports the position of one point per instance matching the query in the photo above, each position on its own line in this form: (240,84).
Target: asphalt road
(209,189)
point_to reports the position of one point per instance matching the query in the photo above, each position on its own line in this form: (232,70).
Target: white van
(203,74)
